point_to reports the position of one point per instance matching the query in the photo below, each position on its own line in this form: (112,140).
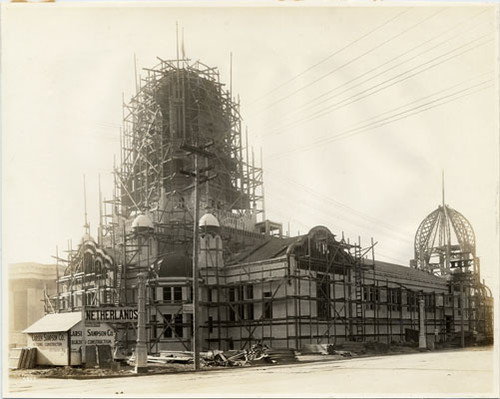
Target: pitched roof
(272,247)
(55,322)
(407,272)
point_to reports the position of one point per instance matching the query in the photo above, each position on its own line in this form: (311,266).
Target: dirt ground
(171,368)
(89,373)
(453,373)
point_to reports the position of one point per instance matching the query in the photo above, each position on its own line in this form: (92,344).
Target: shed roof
(55,322)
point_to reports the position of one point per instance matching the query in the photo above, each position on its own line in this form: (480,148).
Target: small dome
(175,265)
(209,220)
(87,237)
(142,221)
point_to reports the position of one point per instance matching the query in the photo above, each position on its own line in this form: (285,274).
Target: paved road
(455,373)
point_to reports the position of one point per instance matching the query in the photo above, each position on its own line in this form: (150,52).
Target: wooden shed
(58,338)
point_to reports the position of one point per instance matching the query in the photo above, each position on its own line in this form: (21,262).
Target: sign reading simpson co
(113,315)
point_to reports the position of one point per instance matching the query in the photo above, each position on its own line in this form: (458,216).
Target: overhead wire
(385,121)
(401,77)
(369,33)
(331,221)
(274,103)
(341,207)
(311,103)
(407,239)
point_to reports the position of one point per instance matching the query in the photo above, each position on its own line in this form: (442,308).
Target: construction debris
(231,358)
(282,355)
(23,358)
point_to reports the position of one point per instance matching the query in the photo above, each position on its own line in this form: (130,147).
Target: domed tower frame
(445,245)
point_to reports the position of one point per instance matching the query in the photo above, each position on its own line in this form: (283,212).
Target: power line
(312,101)
(388,82)
(349,62)
(427,97)
(335,226)
(331,55)
(383,121)
(402,116)
(340,221)
(343,208)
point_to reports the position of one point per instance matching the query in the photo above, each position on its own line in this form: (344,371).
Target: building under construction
(256,285)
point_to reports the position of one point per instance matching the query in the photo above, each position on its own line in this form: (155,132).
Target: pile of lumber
(23,358)
(351,346)
(281,355)
(231,358)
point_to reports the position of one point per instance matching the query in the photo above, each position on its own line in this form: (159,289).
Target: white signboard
(101,334)
(112,315)
(52,347)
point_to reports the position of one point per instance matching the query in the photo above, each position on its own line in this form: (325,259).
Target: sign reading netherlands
(113,315)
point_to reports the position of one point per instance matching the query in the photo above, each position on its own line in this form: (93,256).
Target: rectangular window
(153,326)
(268,305)
(323,296)
(411,301)
(250,315)
(177,294)
(168,328)
(268,309)
(249,290)
(167,294)
(179,328)
(370,296)
(231,295)
(210,324)
(429,302)
(153,293)
(394,299)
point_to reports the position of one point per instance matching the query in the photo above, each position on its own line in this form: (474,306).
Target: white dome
(142,221)
(87,237)
(209,220)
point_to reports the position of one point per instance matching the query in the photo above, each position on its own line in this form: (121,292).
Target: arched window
(98,266)
(88,263)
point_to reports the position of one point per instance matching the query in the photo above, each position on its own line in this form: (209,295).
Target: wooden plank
(21,358)
(26,358)
(33,358)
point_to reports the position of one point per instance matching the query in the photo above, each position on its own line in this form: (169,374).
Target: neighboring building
(29,283)
(255,284)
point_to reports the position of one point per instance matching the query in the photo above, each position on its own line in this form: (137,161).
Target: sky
(358,110)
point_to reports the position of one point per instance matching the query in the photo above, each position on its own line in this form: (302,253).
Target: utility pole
(462,309)
(141,354)
(197,151)
(422,337)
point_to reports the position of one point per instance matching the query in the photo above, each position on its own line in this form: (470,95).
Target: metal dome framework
(444,242)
